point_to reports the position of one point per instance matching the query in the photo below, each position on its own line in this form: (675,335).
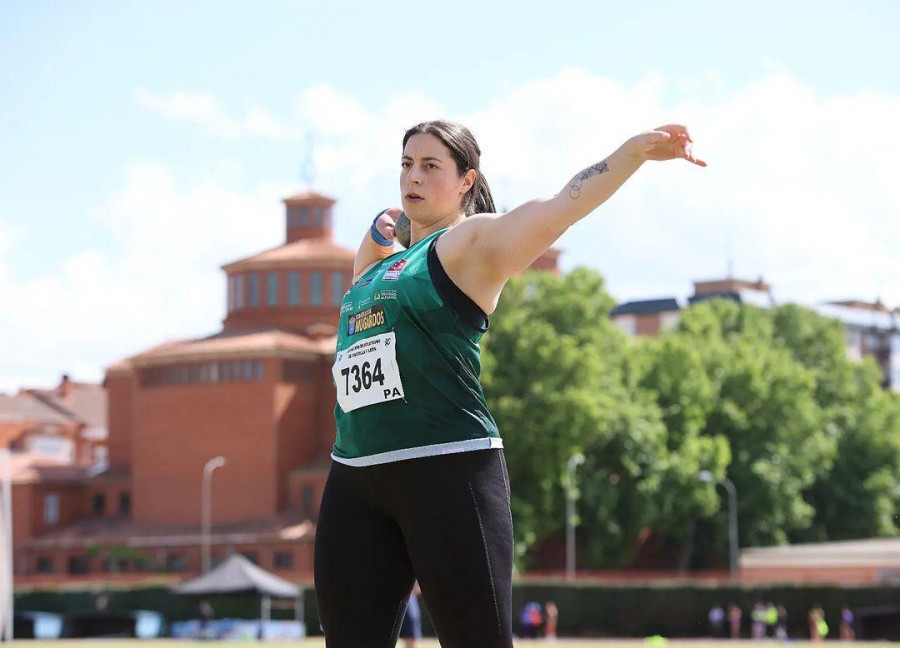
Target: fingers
(675,130)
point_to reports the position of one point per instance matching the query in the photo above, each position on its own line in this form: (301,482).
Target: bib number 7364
(366,373)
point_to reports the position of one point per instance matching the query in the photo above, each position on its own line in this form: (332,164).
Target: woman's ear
(468,180)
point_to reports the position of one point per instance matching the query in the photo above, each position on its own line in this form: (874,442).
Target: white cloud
(800,189)
(206,111)
(161,281)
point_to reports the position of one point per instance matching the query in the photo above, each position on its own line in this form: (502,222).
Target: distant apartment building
(872,329)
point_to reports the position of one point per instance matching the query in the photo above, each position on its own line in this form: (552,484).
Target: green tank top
(406,368)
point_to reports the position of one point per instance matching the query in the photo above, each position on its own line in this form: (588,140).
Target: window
(253,290)
(257,369)
(337,288)
(304,215)
(283,560)
(239,291)
(51,509)
(293,296)
(125,503)
(317,216)
(78,565)
(44,565)
(98,504)
(246,370)
(315,288)
(272,288)
(230,294)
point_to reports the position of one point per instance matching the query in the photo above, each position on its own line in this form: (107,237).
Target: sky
(145,144)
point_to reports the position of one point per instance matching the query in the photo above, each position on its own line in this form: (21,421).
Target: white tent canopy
(237,575)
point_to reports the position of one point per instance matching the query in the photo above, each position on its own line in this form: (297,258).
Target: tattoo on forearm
(577,181)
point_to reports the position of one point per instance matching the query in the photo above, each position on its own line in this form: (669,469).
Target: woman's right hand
(386,223)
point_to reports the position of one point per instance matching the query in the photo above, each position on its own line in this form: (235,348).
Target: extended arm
(481,253)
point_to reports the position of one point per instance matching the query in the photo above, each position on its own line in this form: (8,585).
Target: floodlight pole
(707,476)
(206,505)
(574,461)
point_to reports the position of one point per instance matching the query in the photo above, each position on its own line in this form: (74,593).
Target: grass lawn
(431,643)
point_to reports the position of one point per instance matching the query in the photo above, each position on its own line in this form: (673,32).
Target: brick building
(258,393)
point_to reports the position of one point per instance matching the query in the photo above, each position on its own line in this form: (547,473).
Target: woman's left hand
(666,143)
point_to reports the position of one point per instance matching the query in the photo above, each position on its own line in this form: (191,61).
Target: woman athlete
(418,488)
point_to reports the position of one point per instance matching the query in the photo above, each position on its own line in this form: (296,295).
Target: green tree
(553,375)
(760,402)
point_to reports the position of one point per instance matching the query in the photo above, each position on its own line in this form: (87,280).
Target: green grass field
(431,643)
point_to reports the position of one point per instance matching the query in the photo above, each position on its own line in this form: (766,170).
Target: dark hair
(466,154)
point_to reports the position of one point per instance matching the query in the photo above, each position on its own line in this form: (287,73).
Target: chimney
(65,387)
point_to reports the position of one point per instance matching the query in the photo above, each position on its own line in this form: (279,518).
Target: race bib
(366,373)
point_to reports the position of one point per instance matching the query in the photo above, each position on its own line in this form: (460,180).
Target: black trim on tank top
(456,299)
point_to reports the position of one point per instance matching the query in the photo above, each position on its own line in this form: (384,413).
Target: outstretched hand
(667,143)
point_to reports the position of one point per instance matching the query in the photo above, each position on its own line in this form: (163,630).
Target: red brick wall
(180,427)
(811,574)
(295,416)
(120,390)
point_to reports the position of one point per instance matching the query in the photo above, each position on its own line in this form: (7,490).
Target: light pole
(707,476)
(6,547)
(206,505)
(574,461)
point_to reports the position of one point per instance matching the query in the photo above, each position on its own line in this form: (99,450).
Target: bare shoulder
(463,240)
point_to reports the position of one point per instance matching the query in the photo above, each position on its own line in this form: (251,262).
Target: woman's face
(430,185)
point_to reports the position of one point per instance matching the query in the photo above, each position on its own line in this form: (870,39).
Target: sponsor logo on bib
(365,319)
(393,272)
(385,294)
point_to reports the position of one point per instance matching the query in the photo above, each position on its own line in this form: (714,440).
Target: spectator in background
(551,618)
(206,614)
(847,631)
(781,629)
(716,621)
(771,617)
(758,621)
(530,619)
(818,629)
(734,621)
(411,629)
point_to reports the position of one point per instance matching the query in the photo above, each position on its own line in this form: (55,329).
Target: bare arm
(484,251)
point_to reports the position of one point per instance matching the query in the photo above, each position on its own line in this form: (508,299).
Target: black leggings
(444,521)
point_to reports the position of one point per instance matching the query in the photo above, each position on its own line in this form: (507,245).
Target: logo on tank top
(365,319)
(358,284)
(393,272)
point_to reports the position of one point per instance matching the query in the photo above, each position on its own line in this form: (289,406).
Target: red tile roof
(310,196)
(318,250)
(270,342)
(24,407)
(85,403)
(30,468)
